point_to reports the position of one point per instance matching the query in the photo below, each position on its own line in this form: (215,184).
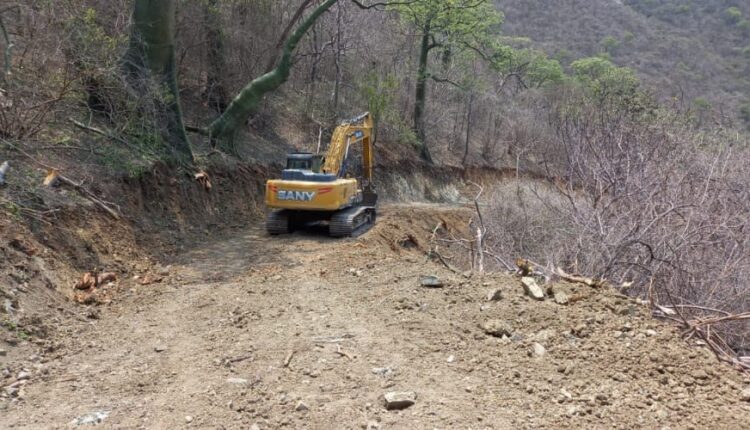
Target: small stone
(255,427)
(650,333)
(3,353)
(23,375)
(237,381)
(451,359)
(539,350)
(188,419)
(395,400)
(745,395)
(160,348)
(532,289)
(497,328)
(431,281)
(700,374)
(561,298)
(301,407)
(383,372)
(373,425)
(495,295)
(92,418)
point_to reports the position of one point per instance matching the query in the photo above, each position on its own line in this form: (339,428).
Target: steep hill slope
(689,50)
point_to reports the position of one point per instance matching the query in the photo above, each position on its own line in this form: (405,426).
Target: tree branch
(8,47)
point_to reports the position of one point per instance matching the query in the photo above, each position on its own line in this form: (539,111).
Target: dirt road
(303,331)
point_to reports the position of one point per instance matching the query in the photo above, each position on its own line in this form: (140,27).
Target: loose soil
(303,331)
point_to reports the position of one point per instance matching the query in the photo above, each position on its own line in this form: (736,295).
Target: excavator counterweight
(318,187)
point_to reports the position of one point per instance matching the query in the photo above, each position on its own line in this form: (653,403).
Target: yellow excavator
(319,188)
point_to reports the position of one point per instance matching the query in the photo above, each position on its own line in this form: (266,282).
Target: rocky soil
(251,332)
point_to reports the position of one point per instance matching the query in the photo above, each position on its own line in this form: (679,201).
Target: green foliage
(379,92)
(92,47)
(453,22)
(701,104)
(612,86)
(610,44)
(539,69)
(733,15)
(746,52)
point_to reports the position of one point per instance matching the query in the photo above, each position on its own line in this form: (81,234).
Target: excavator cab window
(305,161)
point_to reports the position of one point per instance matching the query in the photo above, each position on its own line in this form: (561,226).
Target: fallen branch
(67,181)
(342,353)
(591,282)
(288,358)
(89,195)
(99,131)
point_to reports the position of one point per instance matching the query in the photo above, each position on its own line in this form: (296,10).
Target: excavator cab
(304,161)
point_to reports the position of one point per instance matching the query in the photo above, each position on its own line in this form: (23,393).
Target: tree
(215,93)
(449,25)
(224,128)
(149,66)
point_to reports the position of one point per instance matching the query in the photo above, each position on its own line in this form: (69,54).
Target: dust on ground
(302,331)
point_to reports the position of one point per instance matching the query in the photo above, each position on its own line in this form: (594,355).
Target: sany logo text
(304,196)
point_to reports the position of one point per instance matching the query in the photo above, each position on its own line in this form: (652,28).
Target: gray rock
(532,289)
(745,395)
(237,381)
(495,295)
(23,375)
(3,171)
(650,333)
(498,328)
(395,400)
(431,281)
(92,418)
(160,348)
(301,407)
(383,372)
(3,353)
(561,298)
(188,419)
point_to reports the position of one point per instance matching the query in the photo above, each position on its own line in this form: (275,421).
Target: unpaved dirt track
(286,332)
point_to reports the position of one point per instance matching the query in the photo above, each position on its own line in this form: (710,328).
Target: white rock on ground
(399,399)
(532,289)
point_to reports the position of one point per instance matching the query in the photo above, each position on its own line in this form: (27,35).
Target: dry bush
(639,198)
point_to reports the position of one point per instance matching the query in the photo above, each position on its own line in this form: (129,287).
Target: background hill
(694,53)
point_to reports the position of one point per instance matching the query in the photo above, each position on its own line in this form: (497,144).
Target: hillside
(688,51)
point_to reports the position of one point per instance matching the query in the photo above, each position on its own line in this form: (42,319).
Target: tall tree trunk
(215,94)
(151,57)
(469,107)
(225,127)
(337,58)
(420,99)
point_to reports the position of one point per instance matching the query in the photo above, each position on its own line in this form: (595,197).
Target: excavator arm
(351,132)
